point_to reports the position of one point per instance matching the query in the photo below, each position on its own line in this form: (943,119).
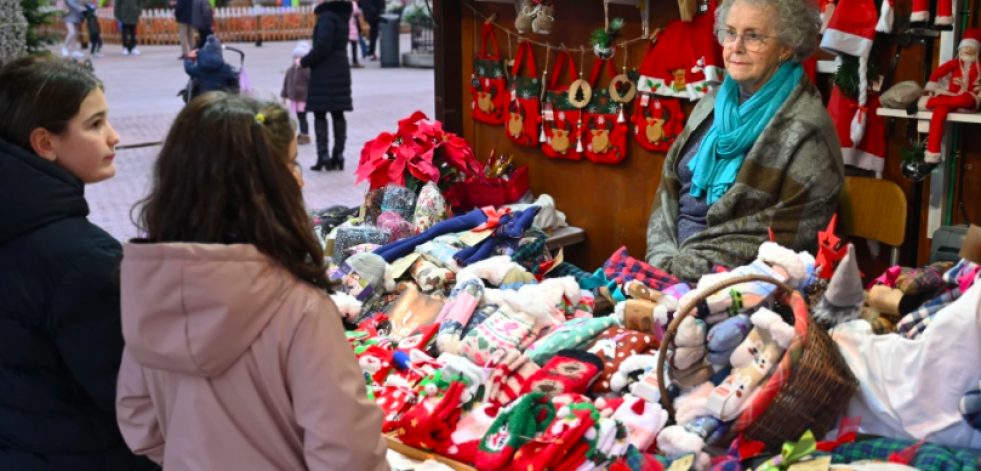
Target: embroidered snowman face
(497,441)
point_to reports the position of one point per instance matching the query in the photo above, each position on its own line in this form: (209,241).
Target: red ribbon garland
(847,432)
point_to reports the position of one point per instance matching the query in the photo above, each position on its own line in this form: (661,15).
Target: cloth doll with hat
(843,299)
(961,94)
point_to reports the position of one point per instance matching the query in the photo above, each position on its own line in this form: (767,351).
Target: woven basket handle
(685,310)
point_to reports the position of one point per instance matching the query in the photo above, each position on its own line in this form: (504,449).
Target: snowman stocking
(644,420)
(520,422)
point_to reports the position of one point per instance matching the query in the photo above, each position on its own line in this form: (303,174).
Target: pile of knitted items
(614,346)
(434,418)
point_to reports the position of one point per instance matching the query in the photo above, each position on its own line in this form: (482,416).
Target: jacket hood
(35,192)
(210,56)
(197,308)
(343,8)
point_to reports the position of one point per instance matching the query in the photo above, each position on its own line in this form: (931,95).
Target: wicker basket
(809,390)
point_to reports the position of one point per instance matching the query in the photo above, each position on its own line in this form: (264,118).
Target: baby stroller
(193,88)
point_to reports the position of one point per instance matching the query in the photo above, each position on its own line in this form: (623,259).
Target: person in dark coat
(203,20)
(330,80)
(61,340)
(128,13)
(184,13)
(373,10)
(211,70)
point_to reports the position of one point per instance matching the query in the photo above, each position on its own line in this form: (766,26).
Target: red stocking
(941,106)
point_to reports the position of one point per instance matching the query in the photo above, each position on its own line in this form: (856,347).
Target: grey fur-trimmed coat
(789,181)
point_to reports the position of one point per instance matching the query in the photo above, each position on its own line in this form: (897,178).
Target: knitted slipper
(456,313)
(570,371)
(432,420)
(470,430)
(520,422)
(560,444)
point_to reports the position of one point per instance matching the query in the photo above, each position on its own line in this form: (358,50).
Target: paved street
(141,93)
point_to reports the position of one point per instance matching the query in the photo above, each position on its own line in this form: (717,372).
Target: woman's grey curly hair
(799,24)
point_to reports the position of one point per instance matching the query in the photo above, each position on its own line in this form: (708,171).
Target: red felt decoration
(830,250)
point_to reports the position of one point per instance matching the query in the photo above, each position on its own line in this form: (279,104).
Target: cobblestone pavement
(141,94)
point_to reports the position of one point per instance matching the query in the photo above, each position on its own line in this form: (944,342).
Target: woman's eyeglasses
(752,41)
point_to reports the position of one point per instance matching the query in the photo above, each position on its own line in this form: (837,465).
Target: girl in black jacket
(60,337)
(330,80)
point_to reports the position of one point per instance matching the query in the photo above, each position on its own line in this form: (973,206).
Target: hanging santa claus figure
(962,93)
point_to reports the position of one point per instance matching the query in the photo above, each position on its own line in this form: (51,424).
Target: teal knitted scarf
(735,129)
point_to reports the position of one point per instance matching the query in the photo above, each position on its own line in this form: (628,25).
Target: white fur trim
(862,159)
(629,365)
(886,16)
(693,405)
(618,312)
(397,381)
(563,412)
(492,297)
(675,442)
(944,20)
(389,281)
(669,302)
(781,331)
(807,259)
(857,131)
(493,270)
(932,157)
(920,16)
(837,42)
(661,315)
(348,306)
(776,254)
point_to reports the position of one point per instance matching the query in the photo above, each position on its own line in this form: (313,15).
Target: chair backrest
(873,209)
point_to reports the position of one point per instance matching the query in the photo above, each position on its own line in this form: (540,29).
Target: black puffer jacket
(330,72)
(60,336)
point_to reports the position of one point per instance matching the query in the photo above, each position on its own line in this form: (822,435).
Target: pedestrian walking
(354,33)
(203,20)
(128,13)
(294,92)
(330,80)
(184,13)
(61,339)
(73,19)
(373,10)
(235,356)
(95,32)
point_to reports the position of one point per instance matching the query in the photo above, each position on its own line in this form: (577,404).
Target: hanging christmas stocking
(869,154)
(921,12)
(605,139)
(560,118)
(658,121)
(524,107)
(489,84)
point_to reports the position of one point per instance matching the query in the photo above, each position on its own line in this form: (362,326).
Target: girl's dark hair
(224,176)
(41,92)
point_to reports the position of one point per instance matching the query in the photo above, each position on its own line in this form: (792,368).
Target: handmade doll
(962,93)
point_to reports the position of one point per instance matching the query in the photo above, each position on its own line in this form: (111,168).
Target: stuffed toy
(961,94)
(752,362)
(362,275)
(843,299)
(694,424)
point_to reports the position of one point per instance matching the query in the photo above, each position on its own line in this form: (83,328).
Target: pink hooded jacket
(231,363)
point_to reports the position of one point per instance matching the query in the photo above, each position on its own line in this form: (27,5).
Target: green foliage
(846,78)
(606,38)
(37,17)
(914,153)
(13,31)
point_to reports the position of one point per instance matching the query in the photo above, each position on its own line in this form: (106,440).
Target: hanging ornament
(620,118)
(604,40)
(914,167)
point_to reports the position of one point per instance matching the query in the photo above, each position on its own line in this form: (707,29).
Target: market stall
(497,297)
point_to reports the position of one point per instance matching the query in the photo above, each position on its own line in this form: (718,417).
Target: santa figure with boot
(962,93)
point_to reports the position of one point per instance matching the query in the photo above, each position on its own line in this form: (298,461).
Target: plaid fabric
(532,255)
(567,269)
(929,457)
(621,267)
(782,372)
(924,280)
(914,324)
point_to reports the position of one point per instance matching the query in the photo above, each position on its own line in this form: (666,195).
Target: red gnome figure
(962,93)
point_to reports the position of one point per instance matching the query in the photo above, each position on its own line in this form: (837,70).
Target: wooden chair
(873,209)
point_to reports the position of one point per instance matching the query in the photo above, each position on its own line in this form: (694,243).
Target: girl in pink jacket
(235,356)
(354,34)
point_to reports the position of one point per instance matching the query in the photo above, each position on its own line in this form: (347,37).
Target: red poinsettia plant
(419,152)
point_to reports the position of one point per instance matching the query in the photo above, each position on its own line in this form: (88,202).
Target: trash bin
(390,24)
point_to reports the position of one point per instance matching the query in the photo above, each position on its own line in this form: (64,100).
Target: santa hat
(972,38)
(851,31)
(886,15)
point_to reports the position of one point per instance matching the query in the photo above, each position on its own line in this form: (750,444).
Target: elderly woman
(759,152)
